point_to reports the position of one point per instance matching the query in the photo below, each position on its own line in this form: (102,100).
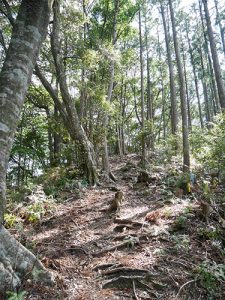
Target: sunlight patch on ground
(129,212)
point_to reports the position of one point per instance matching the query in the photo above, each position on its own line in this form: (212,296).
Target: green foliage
(188,209)
(59,179)
(131,241)
(169,147)
(182,242)
(30,149)
(209,145)
(10,220)
(17,195)
(34,212)
(181,222)
(184,183)
(210,233)
(209,273)
(16,296)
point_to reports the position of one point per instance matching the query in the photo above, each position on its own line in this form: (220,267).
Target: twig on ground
(134,290)
(186,283)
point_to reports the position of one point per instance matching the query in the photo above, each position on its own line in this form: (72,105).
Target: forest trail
(89,248)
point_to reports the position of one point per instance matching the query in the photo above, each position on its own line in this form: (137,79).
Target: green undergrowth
(59,179)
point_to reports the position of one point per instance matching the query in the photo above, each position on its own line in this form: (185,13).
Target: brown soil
(159,259)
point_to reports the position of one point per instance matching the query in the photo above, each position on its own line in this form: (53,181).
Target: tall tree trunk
(106,165)
(174,115)
(150,141)
(212,73)
(162,90)
(222,29)
(195,79)
(186,87)
(216,64)
(204,85)
(185,133)
(89,163)
(143,150)
(28,33)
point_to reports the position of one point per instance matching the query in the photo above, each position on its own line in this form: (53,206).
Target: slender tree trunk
(205,90)
(28,33)
(162,90)
(186,148)
(186,88)
(106,165)
(50,138)
(150,141)
(143,150)
(216,64)
(174,115)
(89,163)
(195,79)
(222,29)
(210,64)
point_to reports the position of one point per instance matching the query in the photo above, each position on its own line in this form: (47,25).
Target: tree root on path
(122,271)
(122,277)
(18,263)
(121,245)
(123,282)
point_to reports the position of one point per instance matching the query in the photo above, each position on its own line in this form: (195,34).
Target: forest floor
(177,253)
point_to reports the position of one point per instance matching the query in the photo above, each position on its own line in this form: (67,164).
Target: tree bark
(216,64)
(210,64)
(143,149)
(150,141)
(222,29)
(89,163)
(174,115)
(186,87)
(195,79)
(28,33)
(106,164)
(185,133)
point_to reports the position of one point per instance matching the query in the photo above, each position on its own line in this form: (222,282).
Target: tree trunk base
(17,264)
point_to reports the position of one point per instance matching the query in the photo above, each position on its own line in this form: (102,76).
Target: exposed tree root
(126,271)
(123,282)
(121,245)
(18,263)
(107,266)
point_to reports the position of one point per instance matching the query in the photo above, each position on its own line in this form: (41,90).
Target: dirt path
(149,260)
